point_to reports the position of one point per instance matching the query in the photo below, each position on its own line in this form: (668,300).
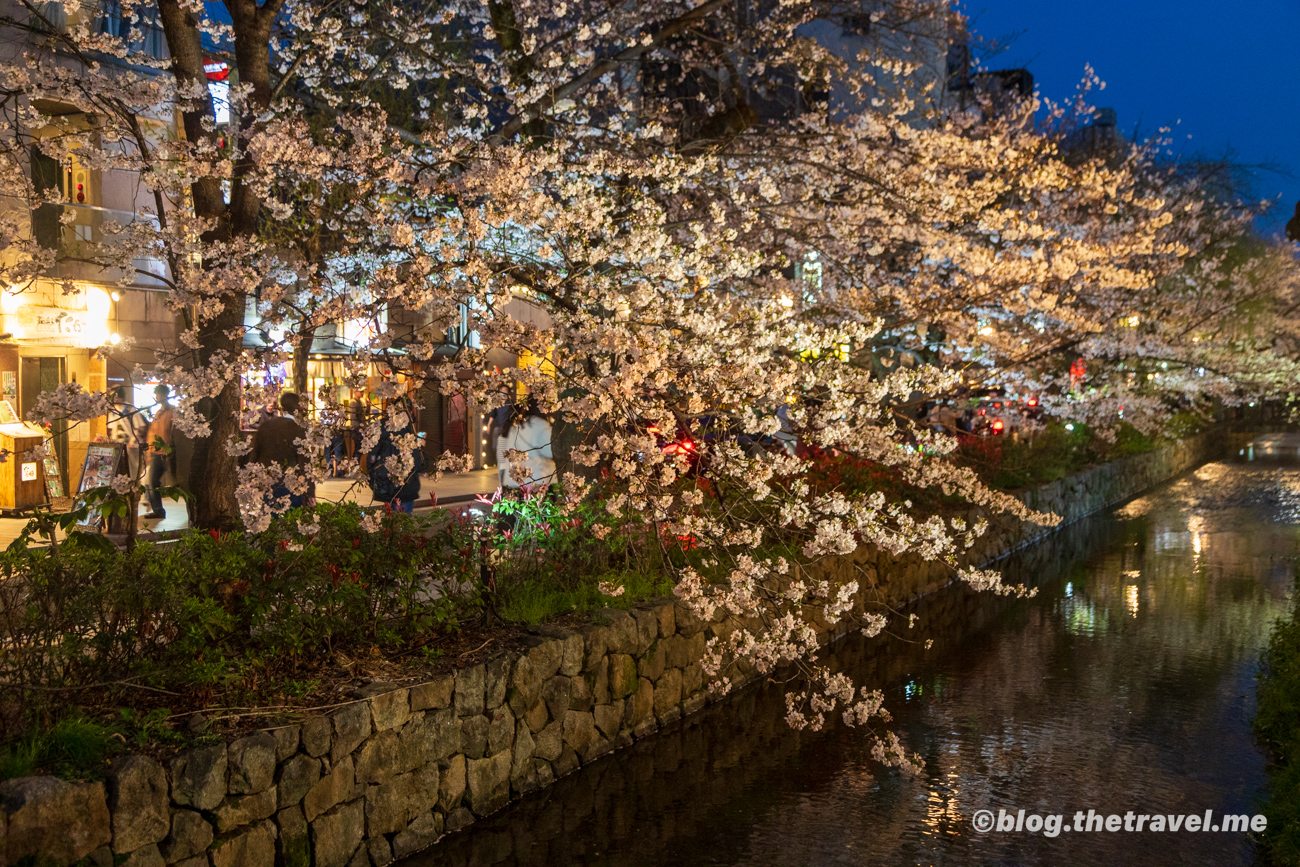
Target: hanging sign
(216,70)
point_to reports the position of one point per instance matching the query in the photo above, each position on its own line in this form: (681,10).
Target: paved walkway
(453,489)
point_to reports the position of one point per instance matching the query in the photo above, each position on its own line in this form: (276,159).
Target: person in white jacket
(530,433)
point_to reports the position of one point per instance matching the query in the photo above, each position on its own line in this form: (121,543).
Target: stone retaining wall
(388,774)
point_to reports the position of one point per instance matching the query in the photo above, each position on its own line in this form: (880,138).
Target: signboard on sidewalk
(103,462)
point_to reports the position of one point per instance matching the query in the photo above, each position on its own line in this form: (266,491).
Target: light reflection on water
(1125,685)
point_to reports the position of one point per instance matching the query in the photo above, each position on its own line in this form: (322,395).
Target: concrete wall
(388,774)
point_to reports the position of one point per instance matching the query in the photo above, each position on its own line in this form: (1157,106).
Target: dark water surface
(1127,684)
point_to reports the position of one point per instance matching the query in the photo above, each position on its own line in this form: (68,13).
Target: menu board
(102,463)
(53,478)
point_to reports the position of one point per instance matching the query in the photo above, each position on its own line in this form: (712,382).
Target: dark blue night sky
(1230,72)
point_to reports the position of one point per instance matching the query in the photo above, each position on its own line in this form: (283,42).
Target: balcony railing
(80,244)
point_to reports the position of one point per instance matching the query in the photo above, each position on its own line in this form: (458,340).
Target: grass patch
(1277,723)
(73,748)
(533,601)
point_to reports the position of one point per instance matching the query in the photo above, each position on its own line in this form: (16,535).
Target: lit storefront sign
(30,317)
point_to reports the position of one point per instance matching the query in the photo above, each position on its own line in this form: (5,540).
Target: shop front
(49,337)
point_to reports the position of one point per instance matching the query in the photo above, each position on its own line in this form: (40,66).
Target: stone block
(496,681)
(190,835)
(421,833)
(692,679)
(571,660)
(336,835)
(253,847)
(557,693)
(434,695)
(474,736)
(609,718)
(622,675)
(286,741)
(378,759)
(645,728)
(250,763)
(394,804)
(488,782)
(199,777)
(145,856)
(581,697)
(545,658)
(390,710)
(297,776)
(525,686)
(333,788)
(694,649)
(239,810)
(647,629)
(537,716)
(459,818)
(595,644)
(431,738)
(294,841)
(676,651)
(468,698)
(664,616)
(622,634)
(501,731)
(451,784)
(317,735)
(598,747)
(640,705)
(651,663)
(380,853)
(138,802)
(351,726)
(35,805)
(687,621)
(694,703)
(579,729)
(599,681)
(550,741)
(566,764)
(522,754)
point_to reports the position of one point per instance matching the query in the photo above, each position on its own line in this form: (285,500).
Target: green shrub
(211,611)
(1277,723)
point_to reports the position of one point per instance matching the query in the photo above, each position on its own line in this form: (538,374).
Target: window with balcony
(137,26)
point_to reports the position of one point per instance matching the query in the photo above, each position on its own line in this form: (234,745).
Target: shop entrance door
(37,375)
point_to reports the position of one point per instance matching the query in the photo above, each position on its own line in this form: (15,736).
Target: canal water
(1127,684)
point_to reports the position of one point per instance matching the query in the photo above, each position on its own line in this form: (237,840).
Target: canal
(1126,685)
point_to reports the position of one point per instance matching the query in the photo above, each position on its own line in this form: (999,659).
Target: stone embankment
(387,775)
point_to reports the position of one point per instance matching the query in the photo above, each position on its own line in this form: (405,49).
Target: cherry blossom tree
(722,210)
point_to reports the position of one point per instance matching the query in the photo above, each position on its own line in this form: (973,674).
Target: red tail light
(997,426)
(1033,401)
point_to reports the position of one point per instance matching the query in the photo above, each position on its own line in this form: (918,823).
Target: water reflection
(1125,685)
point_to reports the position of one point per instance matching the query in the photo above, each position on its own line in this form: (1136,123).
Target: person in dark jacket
(274,443)
(398,493)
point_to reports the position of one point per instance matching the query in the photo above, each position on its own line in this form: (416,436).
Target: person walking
(275,442)
(397,491)
(530,433)
(159,441)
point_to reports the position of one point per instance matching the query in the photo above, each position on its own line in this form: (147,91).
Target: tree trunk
(301,355)
(213,470)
